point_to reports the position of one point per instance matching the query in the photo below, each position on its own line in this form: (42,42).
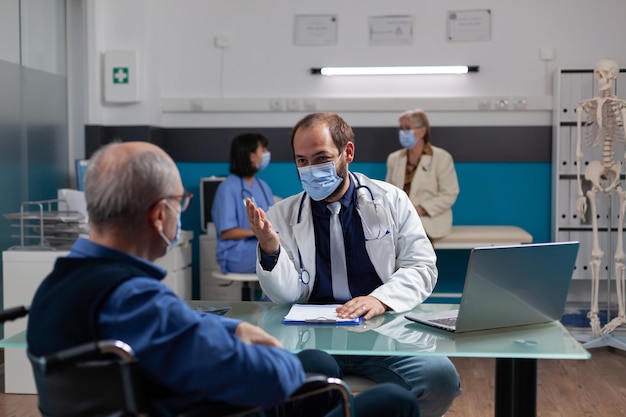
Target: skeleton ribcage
(612,123)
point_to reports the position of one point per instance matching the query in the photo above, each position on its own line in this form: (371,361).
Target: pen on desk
(320,320)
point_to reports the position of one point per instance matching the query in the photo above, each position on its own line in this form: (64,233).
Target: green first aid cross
(120,75)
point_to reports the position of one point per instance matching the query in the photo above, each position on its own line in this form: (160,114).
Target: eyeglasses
(185,200)
(411,127)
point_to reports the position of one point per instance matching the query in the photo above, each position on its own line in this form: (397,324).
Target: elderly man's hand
(254,335)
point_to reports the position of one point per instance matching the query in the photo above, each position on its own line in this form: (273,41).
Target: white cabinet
(177,262)
(23,271)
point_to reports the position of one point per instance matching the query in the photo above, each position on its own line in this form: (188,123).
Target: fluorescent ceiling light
(450,69)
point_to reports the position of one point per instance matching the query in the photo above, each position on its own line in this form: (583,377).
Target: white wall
(180,63)
(9,31)
(32,33)
(43,35)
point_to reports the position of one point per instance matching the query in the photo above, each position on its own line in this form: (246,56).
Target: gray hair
(419,119)
(121,187)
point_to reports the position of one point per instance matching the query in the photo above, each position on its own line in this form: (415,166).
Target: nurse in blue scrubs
(236,244)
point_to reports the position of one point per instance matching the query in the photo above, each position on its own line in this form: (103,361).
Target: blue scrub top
(229,212)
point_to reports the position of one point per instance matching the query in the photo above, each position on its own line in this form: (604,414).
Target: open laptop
(510,286)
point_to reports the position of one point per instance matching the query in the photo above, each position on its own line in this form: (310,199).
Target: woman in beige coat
(425,172)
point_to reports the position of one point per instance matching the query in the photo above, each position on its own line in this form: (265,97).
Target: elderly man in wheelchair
(106,300)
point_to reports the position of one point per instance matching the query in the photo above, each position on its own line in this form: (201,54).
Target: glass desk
(516,350)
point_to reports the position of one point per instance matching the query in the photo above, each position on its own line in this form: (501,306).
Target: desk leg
(516,387)
(504,387)
(246,291)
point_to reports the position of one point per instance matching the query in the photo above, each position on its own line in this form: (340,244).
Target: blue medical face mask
(319,181)
(407,138)
(265,161)
(174,242)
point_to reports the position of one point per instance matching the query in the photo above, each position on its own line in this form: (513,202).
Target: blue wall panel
(515,193)
(492,193)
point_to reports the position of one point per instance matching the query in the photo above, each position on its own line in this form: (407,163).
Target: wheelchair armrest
(13,313)
(86,351)
(317,383)
(312,382)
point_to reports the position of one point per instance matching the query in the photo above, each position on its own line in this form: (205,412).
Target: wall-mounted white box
(121,77)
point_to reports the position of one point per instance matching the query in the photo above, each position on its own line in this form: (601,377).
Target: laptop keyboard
(449,321)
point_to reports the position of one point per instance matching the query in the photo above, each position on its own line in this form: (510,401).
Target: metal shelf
(43,226)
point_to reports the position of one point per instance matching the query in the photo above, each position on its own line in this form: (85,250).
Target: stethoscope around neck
(304,275)
(244,191)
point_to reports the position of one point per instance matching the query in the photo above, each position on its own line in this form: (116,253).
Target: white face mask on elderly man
(173,242)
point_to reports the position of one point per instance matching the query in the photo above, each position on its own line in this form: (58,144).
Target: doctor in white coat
(390,263)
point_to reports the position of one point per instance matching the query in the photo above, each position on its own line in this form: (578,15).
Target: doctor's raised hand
(269,241)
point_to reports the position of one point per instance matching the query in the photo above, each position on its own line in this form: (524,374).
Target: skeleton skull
(605,71)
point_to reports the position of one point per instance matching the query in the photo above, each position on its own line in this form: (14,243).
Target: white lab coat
(404,258)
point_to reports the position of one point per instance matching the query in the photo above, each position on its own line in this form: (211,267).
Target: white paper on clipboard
(316,313)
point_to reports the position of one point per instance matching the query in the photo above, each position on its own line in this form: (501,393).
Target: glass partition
(33,107)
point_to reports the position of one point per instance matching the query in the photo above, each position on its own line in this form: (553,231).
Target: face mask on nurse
(265,161)
(319,181)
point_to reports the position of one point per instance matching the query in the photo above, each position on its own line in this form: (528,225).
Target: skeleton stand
(607,339)
(605,121)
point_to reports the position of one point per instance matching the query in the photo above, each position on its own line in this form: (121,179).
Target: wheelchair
(103,379)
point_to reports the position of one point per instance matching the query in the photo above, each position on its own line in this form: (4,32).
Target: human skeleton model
(604,125)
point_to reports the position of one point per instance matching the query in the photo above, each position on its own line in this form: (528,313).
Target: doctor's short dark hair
(340,130)
(240,149)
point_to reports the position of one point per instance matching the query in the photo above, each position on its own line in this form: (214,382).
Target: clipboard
(318,314)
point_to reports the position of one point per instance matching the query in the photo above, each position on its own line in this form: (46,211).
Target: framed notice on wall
(469,25)
(391,30)
(315,29)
